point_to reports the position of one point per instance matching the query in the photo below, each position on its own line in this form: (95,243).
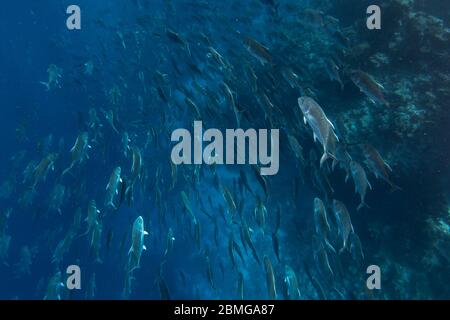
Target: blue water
(406,233)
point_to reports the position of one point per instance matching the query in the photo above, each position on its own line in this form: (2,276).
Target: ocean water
(137,71)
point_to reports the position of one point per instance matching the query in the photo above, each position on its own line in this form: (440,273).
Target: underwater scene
(241,149)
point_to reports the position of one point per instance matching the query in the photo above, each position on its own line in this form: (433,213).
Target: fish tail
(66,171)
(46,85)
(110,203)
(361,205)
(394,187)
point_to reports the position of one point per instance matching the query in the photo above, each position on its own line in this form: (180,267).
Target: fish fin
(329,246)
(361,205)
(145,233)
(370,186)
(144,247)
(333,165)
(46,84)
(388,166)
(323,159)
(66,171)
(394,187)
(304,120)
(331,124)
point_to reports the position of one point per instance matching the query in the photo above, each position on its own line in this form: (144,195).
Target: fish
(176,38)
(291,78)
(333,72)
(112,189)
(217,57)
(163,289)
(361,182)
(109,239)
(110,118)
(343,158)
(79,151)
(296,147)
(137,244)
(41,170)
(290,279)
(344,222)
(187,206)
(169,243)
(323,128)
(247,241)
(261,180)
(356,249)
(252,78)
(322,262)
(240,286)
(54,287)
(210,273)
(94,246)
(258,51)
(54,77)
(193,106)
(231,251)
(63,247)
(243,179)
(57,198)
(276,246)
(270,279)
(136,168)
(260,213)
(125,143)
(230,99)
(197,234)
(321,220)
(173,171)
(379,167)
(372,89)
(228,197)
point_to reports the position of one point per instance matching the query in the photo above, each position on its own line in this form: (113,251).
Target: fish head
(138,224)
(317,203)
(354,166)
(305,104)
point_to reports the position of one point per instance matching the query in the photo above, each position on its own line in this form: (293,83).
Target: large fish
(344,222)
(42,169)
(257,50)
(323,229)
(290,279)
(361,182)
(369,87)
(323,128)
(270,279)
(377,165)
(112,189)
(137,244)
(79,150)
